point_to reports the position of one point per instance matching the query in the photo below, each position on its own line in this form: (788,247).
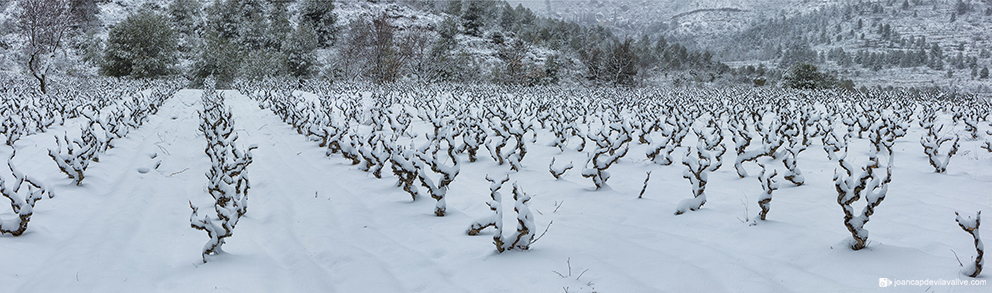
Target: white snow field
(318,224)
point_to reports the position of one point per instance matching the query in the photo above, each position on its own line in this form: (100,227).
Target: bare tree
(621,63)
(386,61)
(374,44)
(415,47)
(46,25)
(513,57)
(354,51)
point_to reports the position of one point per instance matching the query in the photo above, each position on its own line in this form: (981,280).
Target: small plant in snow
(771,140)
(374,155)
(560,171)
(496,219)
(932,142)
(645,187)
(473,137)
(73,160)
(448,173)
(349,149)
(610,148)
(405,169)
(971,226)
(790,152)
(851,187)
(768,185)
(711,138)
(524,236)
(662,152)
(696,174)
(21,203)
(517,130)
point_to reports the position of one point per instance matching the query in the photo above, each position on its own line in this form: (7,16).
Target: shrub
(143,45)
(806,76)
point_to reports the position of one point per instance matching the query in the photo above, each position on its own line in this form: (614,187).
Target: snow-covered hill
(717,26)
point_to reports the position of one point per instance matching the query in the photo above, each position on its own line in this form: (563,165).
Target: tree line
(256,39)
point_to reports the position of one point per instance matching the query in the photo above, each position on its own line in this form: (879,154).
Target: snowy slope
(316,224)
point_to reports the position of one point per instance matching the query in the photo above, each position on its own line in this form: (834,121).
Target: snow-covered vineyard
(143,186)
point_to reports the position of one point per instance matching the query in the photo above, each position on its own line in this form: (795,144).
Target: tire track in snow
(349,218)
(123,222)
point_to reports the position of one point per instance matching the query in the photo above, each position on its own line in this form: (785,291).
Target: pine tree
(985,73)
(320,15)
(84,13)
(251,25)
(143,45)
(218,57)
(472,18)
(454,8)
(805,76)
(298,48)
(184,15)
(507,18)
(223,19)
(278,25)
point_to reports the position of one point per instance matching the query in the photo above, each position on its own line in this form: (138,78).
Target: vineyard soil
(318,224)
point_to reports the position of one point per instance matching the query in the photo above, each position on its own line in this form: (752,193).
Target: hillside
(753,32)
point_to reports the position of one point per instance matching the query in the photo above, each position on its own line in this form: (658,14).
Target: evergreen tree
(223,19)
(454,7)
(524,15)
(805,76)
(260,64)
(218,57)
(551,68)
(184,15)
(278,25)
(299,49)
(143,45)
(507,17)
(985,73)
(251,24)
(443,65)
(472,18)
(320,15)
(961,7)
(84,14)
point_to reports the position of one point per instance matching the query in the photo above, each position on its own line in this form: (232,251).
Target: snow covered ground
(317,224)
